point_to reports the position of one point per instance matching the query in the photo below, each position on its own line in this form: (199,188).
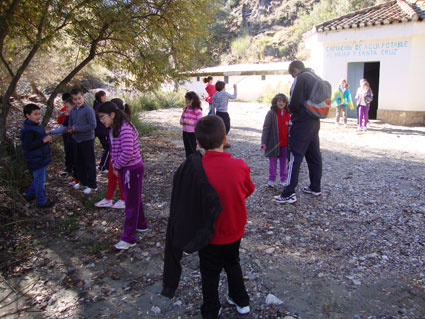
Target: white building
(253,80)
(384,44)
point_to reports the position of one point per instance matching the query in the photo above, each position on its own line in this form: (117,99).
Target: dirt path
(357,252)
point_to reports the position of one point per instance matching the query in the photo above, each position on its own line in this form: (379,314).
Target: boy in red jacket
(231,179)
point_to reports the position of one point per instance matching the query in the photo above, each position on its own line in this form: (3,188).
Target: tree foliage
(151,40)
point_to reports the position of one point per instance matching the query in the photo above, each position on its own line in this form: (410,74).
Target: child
(220,102)
(35,143)
(127,162)
(65,136)
(230,177)
(342,99)
(101,132)
(67,139)
(210,88)
(191,114)
(274,139)
(82,122)
(364,97)
(113,180)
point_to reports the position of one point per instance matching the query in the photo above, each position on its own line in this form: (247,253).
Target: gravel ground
(355,252)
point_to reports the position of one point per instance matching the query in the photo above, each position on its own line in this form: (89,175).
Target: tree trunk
(35,90)
(64,82)
(5,105)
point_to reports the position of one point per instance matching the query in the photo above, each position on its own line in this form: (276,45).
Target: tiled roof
(391,12)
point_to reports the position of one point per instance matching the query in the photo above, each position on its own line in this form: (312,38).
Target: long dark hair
(196,103)
(207,79)
(119,119)
(123,106)
(277,98)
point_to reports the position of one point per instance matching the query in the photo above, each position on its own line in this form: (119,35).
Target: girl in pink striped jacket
(127,162)
(191,114)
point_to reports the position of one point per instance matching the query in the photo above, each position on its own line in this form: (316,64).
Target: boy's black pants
(69,153)
(226,119)
(213,258)
(85,163)
(189,141)
(304,141)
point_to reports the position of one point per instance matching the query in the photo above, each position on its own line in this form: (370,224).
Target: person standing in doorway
(364,97)
(303,136)
(342,99)
(210,88)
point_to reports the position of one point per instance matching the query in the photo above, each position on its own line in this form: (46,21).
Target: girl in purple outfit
(127,162)
(364,97)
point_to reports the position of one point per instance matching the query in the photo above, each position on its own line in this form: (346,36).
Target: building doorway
(370,72)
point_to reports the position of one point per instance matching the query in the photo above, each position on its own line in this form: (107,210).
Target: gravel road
(356,252)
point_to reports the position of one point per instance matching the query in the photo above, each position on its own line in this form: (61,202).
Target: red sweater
(283,124)
(61,117)
(210,88)
(231,179)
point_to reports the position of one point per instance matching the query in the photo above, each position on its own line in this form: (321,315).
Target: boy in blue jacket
(35,143)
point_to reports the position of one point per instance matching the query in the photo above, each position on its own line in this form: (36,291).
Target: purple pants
(363,113)
(283,167)
(131,179)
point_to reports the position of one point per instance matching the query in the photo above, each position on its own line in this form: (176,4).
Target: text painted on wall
(375,49)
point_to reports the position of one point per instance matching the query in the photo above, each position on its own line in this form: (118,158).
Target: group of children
(342,100)
(121,155)
(228,177)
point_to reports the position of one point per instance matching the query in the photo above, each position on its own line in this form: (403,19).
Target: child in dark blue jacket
(35,143)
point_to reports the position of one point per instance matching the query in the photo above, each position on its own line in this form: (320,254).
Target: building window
(198,78)
(263,77)
(226,79)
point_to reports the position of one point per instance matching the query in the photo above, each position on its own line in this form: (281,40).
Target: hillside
(269,30)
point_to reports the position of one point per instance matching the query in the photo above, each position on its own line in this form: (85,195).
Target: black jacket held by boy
(194,208)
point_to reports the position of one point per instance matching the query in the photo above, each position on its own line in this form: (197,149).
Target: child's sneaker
(291,199)
(47,204)
(270,184)
(284,183)
(73,182)
(89,190)
(28,198)
(104,203)
(142,230)
(123,245)
(76,186)
(241,310)
(119,205)
(308,190)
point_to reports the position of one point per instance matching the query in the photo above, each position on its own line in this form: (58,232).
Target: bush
(271,90)
(154,101)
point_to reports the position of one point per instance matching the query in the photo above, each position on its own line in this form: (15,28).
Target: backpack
(318,103)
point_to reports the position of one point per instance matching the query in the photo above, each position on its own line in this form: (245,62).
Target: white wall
(250,87)
(399,49)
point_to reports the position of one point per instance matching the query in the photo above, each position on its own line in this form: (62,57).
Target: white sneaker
(364,128)
(76,186)
(291,199)
(89,190)
(241,310)
(284,183)
(104,203)
(140,230)
(123,245)
(345,125)
(270,184)
(119,205)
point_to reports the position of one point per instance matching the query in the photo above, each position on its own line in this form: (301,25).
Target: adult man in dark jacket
(303,136)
